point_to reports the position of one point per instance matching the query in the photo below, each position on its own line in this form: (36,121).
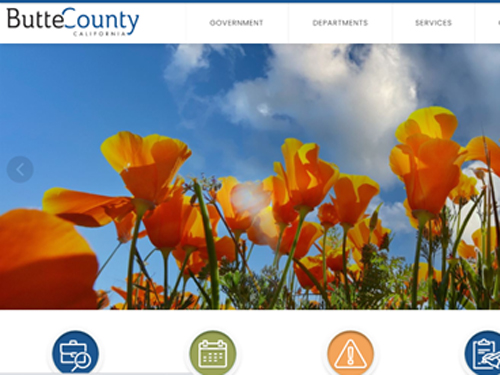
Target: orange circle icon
(350,353)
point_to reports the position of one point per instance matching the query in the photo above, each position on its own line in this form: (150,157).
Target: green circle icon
(212,353)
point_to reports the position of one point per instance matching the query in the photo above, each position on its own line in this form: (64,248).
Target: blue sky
(233,106)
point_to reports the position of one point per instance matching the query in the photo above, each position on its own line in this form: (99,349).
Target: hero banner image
(249,177)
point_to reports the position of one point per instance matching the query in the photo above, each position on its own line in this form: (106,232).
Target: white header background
(282,23)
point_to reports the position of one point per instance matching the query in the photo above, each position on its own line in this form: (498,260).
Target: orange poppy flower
(480,242)
(283,211)
(178,223)
(423,273)
(124,227)
(165,224)
(428,161)
(466,251)
(241,202)
(308,235)
(193,231)
(476,150)
(263,230)
(435,122)
(327,215)
(352,197)
(147,166)
(357,255)
(102,299)
(334,259)
(465,190)
(314,265)
(436,224)
(182,299)
(44,263)
(355,270)
(359,235)
(84,209)
(224,248)
(308,177)
(430,169)
(146,293)
(195,262)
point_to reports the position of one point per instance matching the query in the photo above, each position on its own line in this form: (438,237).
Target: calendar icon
(212,354)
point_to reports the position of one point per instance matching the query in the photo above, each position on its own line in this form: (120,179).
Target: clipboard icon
(480,349)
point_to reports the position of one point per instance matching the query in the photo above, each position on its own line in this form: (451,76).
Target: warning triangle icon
(350,357)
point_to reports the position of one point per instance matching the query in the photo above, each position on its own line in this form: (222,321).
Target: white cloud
(463,78)
(188,58)
(393,216)
(349,98)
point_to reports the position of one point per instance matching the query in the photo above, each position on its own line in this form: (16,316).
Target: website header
(249,23)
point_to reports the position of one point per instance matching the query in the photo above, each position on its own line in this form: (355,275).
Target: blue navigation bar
(251,1)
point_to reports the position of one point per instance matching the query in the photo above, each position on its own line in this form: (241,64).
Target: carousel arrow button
(20,169)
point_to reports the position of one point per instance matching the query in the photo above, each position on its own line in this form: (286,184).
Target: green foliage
(250,291)
(383,280)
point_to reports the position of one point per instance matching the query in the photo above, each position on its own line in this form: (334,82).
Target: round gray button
(20,169)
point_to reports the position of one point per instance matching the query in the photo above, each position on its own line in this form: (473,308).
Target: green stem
(140,211)
(250,251)
(277,256)
(414,289)
(344,267)
(302,215)
(173,295)
(237,236)
(212,256)
(324,259)
(430,271)
(109,258)
(495,208)
(445,241)
(165,254)
(226,225)
(464,225)
(149,254)
(206,297)
(183,291)
(292,287)
(488,233)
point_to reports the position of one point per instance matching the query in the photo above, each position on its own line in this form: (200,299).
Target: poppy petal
(44,263)
(88,210)
(477,151)
(435,122)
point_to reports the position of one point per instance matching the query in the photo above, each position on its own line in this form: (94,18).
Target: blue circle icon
(75,351)
(482,353)
(20,169)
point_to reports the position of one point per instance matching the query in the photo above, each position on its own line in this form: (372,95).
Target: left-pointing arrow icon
(20,169)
